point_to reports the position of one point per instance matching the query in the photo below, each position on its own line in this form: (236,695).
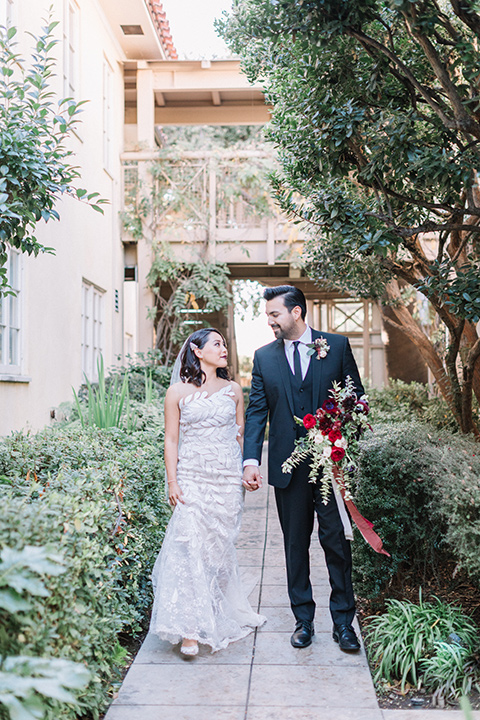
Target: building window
(92,328)
(10,318)
(6,13)
(107,115)
(71,34)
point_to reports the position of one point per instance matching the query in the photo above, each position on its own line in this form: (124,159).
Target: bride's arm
(172,431)
(240,413)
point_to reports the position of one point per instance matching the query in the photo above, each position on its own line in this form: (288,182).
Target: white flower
(322,353)
(327,451)
(342,443)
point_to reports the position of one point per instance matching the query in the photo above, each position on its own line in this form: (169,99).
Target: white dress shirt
(302,350)
(304,363)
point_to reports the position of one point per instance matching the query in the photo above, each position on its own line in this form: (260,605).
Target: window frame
(71,50)
(93,327)
(7,301)
(7,13)
(108,115)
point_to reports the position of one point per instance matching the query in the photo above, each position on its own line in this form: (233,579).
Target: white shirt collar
(305,339)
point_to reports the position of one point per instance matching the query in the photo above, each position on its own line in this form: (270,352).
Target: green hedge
(97,496)
(420,487)
(401,401)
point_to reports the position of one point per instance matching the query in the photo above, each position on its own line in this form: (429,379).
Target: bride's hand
(174,494)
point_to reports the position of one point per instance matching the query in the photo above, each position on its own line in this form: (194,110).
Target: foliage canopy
(377,123)
(35,166)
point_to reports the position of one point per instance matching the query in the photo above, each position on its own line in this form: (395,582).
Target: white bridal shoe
(190,650)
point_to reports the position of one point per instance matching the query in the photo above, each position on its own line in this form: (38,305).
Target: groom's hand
(252,480)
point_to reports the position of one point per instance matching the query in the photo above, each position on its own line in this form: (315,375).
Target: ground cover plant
(95,495)
(425,643)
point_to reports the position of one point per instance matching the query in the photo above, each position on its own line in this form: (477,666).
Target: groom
(286,381)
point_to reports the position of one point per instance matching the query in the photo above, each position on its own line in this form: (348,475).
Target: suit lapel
(317,368)
(285,373)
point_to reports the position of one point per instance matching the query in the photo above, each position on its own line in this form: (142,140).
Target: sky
(191,24)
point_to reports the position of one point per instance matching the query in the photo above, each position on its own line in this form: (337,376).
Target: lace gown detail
(196,579)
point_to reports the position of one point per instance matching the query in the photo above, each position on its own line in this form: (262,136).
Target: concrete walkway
(260,677)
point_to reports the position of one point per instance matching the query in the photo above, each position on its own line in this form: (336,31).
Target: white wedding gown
(196,579)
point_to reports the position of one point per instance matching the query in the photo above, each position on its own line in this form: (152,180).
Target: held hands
(174,493)
(252,480)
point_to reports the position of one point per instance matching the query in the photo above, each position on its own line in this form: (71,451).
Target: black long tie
(297,368)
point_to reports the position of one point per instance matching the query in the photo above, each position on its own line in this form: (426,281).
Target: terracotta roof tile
(163,28)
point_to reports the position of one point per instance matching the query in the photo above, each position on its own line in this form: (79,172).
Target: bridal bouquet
(332,439)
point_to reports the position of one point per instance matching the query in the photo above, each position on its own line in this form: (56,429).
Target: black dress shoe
(304,632)
(345,636)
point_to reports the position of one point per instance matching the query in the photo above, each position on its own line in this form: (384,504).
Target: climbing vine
(185,294)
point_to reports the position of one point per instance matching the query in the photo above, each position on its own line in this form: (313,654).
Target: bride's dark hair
(191,370)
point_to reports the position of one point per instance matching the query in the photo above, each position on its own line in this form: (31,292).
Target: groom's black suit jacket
(271,397)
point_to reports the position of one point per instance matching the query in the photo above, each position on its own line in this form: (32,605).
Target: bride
(199,597)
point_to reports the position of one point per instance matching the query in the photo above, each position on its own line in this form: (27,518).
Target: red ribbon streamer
(364,526)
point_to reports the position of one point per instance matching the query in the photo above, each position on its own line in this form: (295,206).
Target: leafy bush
(26,681)
(394,490)
(97,495)
(420,487)
(407,644)
(400,401)
(144,370)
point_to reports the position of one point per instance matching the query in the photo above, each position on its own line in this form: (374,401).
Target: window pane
(14,312)
(14,354)
(14,270)
(348,317)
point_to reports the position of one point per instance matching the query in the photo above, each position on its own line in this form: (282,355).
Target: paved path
(260,677)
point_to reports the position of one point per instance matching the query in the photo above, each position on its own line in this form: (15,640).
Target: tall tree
(376,116)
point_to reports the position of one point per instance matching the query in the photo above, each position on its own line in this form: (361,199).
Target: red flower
(337,454)
(334,435)
(309,421)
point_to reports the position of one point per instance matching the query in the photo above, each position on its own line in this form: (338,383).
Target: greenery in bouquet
(332,439)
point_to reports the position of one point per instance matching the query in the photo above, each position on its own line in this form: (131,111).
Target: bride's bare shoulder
(179,390)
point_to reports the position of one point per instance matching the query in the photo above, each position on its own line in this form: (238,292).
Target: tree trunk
(406,323)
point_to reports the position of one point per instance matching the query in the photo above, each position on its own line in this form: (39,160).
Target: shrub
(393,490)
(399,401)
(97,495)
(29,684)
(409,641)
(420,487)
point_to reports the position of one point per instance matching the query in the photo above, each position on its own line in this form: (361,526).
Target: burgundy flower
(350,402)
(309,421)
(362,407)
(337,454)
(325,424)
(330,406)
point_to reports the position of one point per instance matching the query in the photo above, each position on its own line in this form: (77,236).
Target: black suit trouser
(297,505)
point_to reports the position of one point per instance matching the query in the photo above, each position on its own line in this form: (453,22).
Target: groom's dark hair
(292,297)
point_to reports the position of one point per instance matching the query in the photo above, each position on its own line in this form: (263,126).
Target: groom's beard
(284,333)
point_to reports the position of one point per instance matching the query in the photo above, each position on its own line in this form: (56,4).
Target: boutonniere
(320,346)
